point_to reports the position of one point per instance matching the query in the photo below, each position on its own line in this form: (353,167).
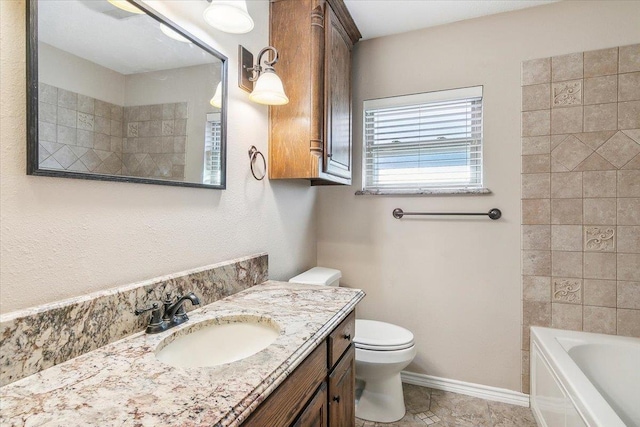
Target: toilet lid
(375,335)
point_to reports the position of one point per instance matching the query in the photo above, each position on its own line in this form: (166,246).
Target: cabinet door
(342,411)
(337,152)
(315,413)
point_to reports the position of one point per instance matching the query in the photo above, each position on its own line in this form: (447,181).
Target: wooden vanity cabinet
(310,137)
(321,390)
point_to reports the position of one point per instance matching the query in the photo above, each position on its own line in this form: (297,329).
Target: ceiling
(376,18)
(101,33)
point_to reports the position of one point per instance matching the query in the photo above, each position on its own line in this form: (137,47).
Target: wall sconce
(125,5)
(262,81)
(230,16)
(216,101)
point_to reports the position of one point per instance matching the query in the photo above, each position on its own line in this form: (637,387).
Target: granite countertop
(124,384)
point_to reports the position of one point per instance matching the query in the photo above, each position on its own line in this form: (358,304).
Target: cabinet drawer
(341,338)
(287,401)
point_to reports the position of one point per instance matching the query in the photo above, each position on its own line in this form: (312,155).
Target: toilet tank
(319,276)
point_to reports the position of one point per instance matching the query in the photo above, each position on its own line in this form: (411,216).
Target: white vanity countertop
(123,384)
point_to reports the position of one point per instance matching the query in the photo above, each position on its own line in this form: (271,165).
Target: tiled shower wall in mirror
(581,193)
(82,134)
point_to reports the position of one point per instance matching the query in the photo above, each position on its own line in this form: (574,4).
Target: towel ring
(253,154)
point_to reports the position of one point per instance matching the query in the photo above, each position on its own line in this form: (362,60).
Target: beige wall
(456,283)
(99,235)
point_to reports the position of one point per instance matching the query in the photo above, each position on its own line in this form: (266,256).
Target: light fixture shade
(173,34)
(216,101)
(268,90)
(230,16)
(125,5)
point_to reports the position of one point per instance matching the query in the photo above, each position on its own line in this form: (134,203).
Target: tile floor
(436,408)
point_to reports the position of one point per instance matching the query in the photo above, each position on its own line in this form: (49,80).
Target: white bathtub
(582,379)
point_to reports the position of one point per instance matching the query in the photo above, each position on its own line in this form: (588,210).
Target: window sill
(431,192)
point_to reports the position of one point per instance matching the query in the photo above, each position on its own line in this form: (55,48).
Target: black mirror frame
(33,165)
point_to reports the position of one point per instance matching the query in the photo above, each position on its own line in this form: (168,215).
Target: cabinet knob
(336,399)
(329,155)
(347,337)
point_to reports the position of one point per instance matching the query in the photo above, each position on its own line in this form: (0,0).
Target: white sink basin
(217,341)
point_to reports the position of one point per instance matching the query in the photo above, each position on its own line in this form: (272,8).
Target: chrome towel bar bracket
(494,213)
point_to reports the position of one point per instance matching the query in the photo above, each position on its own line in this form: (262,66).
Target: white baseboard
(470,389)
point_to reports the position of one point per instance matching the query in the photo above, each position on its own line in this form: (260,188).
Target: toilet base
(382,400)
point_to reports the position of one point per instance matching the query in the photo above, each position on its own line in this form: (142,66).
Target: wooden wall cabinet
(320,392)
(310,137)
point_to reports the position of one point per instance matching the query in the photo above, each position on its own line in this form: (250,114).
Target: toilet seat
(380,336)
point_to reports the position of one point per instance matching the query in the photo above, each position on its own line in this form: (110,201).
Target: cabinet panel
(341,338)
(342,392)
(316,412)
(337,97)
(284,405)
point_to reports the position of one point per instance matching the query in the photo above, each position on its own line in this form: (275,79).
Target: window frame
(414,100)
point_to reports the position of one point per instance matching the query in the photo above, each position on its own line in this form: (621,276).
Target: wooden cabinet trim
(345,18)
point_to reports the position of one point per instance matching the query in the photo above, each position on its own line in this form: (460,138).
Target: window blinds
(212,150)
(424,141)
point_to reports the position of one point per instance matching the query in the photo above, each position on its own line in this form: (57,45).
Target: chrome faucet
(172,314)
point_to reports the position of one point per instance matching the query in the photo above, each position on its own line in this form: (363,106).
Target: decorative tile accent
(567,93)
(567,290)
(599,239)
(38,338)
(133,130)
(85,121)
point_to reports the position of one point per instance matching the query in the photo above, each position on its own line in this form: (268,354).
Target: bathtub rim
(579,389)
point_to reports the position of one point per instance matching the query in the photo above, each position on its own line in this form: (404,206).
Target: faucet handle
(139,311)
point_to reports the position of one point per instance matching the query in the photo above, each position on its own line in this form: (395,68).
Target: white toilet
(383,350)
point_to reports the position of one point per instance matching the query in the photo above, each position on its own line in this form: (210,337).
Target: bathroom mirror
(118,92)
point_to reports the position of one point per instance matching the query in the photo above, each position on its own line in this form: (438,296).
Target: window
(423,142)
(212,172)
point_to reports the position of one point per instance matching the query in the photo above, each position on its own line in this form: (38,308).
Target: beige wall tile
(536,97)
(536,314)
(566,185)
(566,94)
(566,264)
(536,185)
(600,211)
(526,333)
(629,211)
(601,62)
(536,123)
(526,363)
(629,58)
(537,211)
(595,162)
(628,322)
(566,316)
(634,134)
(599,266)
(600,117)
(601,90)
(536,263)
(536,288)
(629,115)
(566,237)
(600,320)
(600,238)
(602,293)
(567,120)
(556,166)
(629,267)
(566,211)
(556,140)
(537,163)
(567,67)
(535,145)
(629,239)
(629,183)
(629,295)
(571,152)
(619,149)
(633,163)
(595,139)
(629,87)
(599,183)
(526,383)
(566,290)
(536,71)
(536,237)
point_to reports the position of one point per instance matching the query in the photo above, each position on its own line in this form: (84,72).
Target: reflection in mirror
(124,96)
